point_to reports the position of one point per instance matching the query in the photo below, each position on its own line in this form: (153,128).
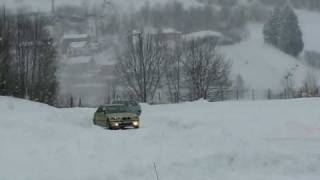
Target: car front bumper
(117,125)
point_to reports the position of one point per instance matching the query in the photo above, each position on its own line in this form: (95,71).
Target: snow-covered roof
(201,35)
(75,36)
(76,45)
(154,31)
(170,31)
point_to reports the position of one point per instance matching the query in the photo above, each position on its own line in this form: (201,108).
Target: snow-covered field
(260,140)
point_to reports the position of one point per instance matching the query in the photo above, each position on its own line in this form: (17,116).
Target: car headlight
(135,123)
(115,124)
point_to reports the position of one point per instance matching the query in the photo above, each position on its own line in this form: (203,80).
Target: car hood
(121,115)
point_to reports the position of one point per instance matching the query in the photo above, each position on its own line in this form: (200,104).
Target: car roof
(122,101)
(112,105)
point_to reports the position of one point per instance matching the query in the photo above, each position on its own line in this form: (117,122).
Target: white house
(75,44)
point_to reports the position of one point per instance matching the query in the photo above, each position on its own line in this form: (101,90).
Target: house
(212,36)
(74,43)
(209,36)
(167,35)
(81,48)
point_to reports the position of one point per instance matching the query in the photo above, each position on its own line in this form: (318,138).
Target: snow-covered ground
(260,140)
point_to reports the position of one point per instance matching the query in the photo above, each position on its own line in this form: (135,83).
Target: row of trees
(282,30)
(27,57)
(191,69)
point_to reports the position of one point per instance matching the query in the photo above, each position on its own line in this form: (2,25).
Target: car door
(100,117)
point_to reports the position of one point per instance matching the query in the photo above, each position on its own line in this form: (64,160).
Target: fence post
(80,102)
(285,94)
(237,94)
(253,95)
(71,102)
(269,94)
(222,95)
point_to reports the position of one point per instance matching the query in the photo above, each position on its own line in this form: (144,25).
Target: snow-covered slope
(310,28)
(263,66)
(198,141)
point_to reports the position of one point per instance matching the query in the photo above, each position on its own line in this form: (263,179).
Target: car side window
(132,103)
(100,110)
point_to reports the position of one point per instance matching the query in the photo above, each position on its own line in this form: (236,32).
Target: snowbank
(231,140)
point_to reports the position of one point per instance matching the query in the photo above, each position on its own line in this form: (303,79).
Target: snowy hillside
(264,67)
(259,140)
(310,29)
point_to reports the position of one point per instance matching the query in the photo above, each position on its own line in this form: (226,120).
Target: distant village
(88,54)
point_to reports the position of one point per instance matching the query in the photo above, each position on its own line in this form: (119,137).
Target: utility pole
(53,6)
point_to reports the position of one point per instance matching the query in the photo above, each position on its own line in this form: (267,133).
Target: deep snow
(260,140)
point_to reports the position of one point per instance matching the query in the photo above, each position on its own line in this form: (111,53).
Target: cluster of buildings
(87,65)
(171,36)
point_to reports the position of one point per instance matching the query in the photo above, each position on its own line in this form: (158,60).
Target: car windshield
(115,109)
(121,102)
(132,103)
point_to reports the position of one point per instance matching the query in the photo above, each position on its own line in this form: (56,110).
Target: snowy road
(263,140)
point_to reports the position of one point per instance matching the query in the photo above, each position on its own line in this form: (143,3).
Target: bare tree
(205,68)
(27,57)
(140,66)
(173,75)
(310,85)
(289,83)
(240,87)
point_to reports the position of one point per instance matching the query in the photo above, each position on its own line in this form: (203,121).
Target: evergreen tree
(4,66)
(271,29)
(290,39)
(4,54)
(48,83)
